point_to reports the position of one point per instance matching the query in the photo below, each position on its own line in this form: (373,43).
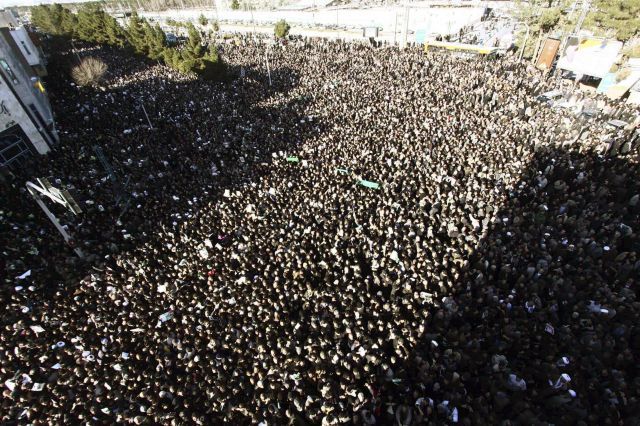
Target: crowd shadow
(518,305)
(249,120)
(553,278)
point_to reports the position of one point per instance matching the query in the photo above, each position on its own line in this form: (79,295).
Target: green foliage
(194,42)
(202,20)
(282,28)
(214,67)
(92,24)
(115,34)
(542,20)
(632,50)
(157,42)
(235,4)
(176,24)
(549,19)
(54,19)
(606,18)
(136,34)
(622,74)
(620,16)
(530,47)
(171,57)
(215,26)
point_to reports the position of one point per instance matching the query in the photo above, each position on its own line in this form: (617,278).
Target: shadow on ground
(555,277)
(207,138)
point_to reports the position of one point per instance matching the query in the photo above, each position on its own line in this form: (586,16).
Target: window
(38,116)
(26,49)
(7,69)
(14,147)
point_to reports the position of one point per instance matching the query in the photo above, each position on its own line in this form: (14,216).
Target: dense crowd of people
(366,236)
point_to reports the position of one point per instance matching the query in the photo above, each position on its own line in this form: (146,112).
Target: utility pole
(215,7)
(406,27)
(395,28)
(524,43)
(145,113)
(585,9)
(61,197)
(266,57)
(253,23)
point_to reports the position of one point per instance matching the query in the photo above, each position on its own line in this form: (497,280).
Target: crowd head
(367,236)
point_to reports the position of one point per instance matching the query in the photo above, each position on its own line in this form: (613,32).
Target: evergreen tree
(136,34)
(172,58)
(202,20)
(92,24)
(53,19)
(114,33)
(155,41)
(282,28)
(40,18)
(622,17)
(235,4)
(214,68)
(193,51)
(69,23)
(549,19)
(56,12)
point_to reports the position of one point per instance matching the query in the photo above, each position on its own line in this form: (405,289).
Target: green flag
(369,184)
(293,159)
(343,171)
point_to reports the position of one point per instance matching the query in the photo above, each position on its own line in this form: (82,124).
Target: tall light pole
(524,43)
(395,28)
(145,113)
(405,28)
(253,22)
(266,57)
(585,9)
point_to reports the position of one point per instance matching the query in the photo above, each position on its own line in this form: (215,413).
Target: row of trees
(94,25)
(618,19)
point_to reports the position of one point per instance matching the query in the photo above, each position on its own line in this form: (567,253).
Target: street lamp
(526,38)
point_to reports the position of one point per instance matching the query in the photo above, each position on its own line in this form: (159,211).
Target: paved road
(431,20)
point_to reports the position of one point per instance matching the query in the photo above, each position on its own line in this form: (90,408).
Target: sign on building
(548,53)
(589,55)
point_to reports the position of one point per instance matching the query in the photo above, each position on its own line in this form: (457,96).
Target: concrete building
(26,121)
(8,18)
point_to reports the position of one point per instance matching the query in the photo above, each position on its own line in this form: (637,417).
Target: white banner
(589,56)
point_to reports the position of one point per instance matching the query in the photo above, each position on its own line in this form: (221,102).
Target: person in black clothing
(490,279)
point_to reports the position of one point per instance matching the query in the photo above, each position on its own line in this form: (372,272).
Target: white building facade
(26,121)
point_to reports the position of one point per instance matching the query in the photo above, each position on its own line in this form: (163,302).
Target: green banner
(293,159)
(369,184)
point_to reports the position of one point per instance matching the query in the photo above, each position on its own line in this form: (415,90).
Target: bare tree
(89,72)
